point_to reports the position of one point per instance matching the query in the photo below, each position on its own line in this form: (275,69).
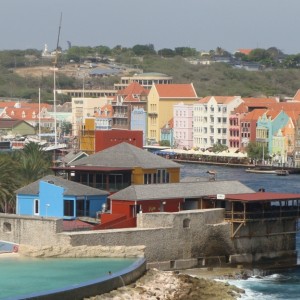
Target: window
(69,208)
(6,227)
(36,207)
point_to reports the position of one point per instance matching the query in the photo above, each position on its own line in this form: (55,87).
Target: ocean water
(21,276)
(280,286)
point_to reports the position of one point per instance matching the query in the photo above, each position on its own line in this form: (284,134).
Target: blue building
(56,197)
(139,121)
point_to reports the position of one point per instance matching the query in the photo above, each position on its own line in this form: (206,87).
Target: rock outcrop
(165,285)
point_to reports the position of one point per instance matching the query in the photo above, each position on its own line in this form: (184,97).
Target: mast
(39,114)
(54,82)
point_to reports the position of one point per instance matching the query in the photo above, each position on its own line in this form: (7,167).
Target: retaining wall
(172,240)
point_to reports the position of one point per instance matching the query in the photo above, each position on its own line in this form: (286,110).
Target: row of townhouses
(165,111)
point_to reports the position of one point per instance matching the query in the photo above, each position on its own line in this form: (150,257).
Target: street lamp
(47,206)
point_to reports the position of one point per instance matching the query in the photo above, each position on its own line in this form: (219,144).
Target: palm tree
(8,183)
(33,163)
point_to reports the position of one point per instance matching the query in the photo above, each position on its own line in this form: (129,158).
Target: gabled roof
(72,156)
(11,123)
(180,190)
(133,88)
(297,96)
(101,113)
(169,124)
(71,188)
(125,155)
(185,91)
(219,99)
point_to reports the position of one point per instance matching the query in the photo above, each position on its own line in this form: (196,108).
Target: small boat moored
(282,172)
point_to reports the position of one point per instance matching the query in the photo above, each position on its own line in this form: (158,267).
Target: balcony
(152,114)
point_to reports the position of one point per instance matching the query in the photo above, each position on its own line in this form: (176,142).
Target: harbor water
(286,284)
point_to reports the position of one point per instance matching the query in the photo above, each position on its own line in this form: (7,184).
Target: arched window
(186,223)
(6,227)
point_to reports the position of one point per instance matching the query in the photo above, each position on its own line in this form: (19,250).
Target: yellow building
(161,99)
(87,136)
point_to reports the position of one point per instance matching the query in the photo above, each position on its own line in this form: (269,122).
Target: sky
(200,24)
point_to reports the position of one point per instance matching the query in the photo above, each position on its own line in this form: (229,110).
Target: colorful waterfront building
(211,120)
(183,126)
(268,125)
(167,133)
(161,99)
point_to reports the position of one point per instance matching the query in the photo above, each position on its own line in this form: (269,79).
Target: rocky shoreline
(167,285)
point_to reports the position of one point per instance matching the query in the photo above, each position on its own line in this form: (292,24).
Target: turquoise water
(281,286)
(19,276)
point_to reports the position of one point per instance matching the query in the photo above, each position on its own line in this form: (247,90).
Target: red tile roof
(176,91)
(132,92)
(101,113)
(27,114)
(254,115)
(244,51)
(261,196)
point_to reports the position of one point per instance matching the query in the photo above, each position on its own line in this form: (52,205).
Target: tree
(141,50)
(66,127)
(257,151)
(32,163)
(216,148)
(166,52)
(164,143)
(8,183)
(185,51)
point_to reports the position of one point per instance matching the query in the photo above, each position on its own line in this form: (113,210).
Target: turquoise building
(268,126)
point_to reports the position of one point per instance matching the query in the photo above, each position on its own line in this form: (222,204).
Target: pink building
(183,125)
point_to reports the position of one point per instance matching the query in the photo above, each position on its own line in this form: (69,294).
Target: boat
(261,171)
(282,172)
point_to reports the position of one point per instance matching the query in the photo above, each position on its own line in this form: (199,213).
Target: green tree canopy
(8,183)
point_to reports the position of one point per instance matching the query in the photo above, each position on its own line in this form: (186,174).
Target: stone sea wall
(167,240)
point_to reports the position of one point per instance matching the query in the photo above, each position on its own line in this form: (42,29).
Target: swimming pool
(25,276)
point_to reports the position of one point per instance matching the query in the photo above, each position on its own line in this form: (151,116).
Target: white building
(211,120)
(183,126)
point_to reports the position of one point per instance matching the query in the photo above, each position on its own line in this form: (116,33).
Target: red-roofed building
(133,96)
(103,117)
(161,99)
(244,51)
(28,112)
(297,96)
(248,127)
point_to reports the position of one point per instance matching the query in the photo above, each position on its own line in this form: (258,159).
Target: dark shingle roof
(180,190)
(71,188)
(125,155)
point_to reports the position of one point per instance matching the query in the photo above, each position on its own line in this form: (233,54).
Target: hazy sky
(200,24)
